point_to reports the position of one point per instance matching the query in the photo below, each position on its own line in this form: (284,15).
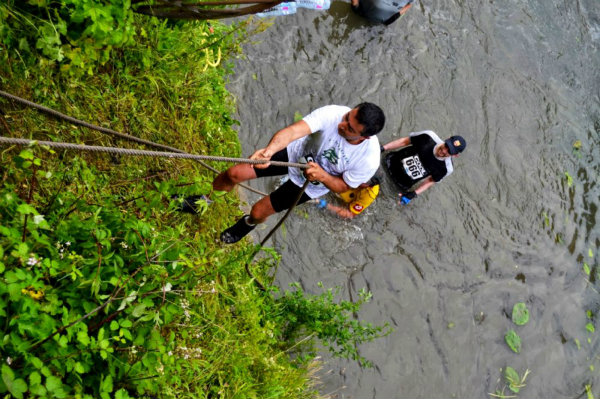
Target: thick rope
(127,151)
(175,153)
(264,240)
(101,129)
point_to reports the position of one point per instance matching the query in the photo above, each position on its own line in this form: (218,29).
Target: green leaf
(511,375)
(520,314)
(138,310)
(26,154)
(513,340)
(512,378)
(25,209)
(590,253)
(590,327)
(15,386)
(79,368)
(586,268)
(122,394)
(35,378)
(53,383)
(114,325)
(588,390)
(38,390)
(83,338)
(126,323)
(569,179)
(107,384)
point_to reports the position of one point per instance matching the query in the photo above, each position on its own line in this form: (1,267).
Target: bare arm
(401,142)
(341,212)
(405,8)
(280,140)
(427,183)
(334,183)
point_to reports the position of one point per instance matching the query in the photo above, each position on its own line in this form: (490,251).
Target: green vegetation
(513,340)
(106,291)
(520,314)
(513,381)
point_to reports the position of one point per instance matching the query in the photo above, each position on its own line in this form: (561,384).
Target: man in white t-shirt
(343,155)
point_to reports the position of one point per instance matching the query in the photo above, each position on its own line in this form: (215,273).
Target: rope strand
(127,151)
(101,129)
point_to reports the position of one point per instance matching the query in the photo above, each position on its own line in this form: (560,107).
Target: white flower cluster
(189,353)
(185,305)
(32,261)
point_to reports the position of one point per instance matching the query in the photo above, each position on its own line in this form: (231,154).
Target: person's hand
(322,204)
(315,173)
(263,153)
(406,197)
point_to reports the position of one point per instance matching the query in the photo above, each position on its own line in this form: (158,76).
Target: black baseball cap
(456,144)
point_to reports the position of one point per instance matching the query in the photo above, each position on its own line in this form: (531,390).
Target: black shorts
(283,198)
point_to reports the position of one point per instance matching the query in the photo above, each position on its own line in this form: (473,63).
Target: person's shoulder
(334,108)
(425,134)
(328,111)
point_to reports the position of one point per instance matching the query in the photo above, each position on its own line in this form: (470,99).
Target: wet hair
(371,117)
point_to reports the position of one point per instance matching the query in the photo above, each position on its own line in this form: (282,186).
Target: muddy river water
(515,222)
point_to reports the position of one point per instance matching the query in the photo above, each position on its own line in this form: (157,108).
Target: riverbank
(107,290)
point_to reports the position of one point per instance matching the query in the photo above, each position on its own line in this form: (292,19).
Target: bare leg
(261,210)
(239,173)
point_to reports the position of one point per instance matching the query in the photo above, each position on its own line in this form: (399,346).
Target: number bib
(412,166)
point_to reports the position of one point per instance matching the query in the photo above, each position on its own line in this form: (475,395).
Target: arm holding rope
(280,140)
(334,183)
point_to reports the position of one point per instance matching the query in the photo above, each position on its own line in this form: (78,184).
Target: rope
(264,240)
(174,153)
(79,122)
(127,151)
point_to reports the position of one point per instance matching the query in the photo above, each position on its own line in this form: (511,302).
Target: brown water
(520,81)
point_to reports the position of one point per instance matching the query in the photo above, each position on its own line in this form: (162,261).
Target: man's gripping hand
(263,153)
(315,173)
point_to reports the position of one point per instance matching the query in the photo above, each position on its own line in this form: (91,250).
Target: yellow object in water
(359,199)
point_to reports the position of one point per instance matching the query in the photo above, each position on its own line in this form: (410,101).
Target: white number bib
(413,167)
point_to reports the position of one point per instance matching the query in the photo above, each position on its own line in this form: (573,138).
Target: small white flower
(124,245)
(32,261)
(37,219)
(170,353)
(133,350)
(68,243)
(8,361)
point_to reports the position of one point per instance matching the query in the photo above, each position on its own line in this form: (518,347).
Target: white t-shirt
(355,163)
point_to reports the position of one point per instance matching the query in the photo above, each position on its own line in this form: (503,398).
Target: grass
(212,336)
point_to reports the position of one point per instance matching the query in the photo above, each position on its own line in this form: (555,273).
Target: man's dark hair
(371,117)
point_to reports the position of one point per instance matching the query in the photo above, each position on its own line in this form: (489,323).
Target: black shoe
(189,204)
(236,232)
